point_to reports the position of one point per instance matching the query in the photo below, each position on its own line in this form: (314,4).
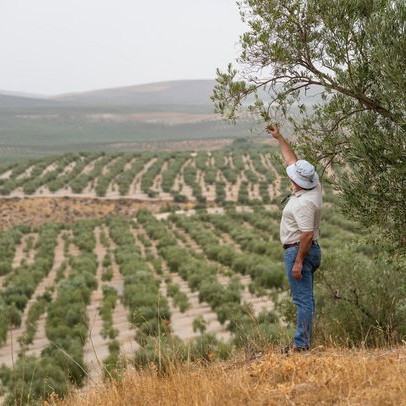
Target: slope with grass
(146,260)
(205,284)
(325,376)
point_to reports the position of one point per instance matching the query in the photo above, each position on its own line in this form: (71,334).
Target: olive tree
(336,72)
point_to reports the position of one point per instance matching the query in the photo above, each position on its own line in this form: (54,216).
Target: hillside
(170,263)
(182,92)
(136,117)
(175,93)
(9,102)
(183,248)
(86,297)
(325,376)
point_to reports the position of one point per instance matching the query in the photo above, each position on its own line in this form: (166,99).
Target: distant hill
(111,118)
(181,92)
(13,101)
(23,94)
(114,118)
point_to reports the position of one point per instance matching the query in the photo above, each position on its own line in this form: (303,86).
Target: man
(299,232)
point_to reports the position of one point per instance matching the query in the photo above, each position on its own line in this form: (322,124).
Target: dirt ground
(37,211)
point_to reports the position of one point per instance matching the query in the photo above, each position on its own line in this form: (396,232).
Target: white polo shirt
(301,213)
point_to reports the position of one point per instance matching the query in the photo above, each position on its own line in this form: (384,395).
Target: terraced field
(244,176)
(82,300)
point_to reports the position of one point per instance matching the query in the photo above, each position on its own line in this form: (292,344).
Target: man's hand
(273,130)
(297,270)
(288,155)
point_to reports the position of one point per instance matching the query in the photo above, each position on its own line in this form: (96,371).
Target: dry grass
(332,376)
(35,211)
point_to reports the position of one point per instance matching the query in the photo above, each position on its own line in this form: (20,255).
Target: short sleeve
(305,216)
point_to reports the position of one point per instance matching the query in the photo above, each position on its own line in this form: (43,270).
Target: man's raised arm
(288,155)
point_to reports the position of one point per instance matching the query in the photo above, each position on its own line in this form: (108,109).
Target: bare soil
(96,347)
(40,210)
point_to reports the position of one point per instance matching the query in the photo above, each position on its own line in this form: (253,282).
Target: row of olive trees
(266,272)
(203,277)
(173,170)
(79,183)
(61,362)
(125,180)
(149,311)
(119,170)
(20,284)
(40,176)
(31,175)
(21,175)
(103,181)
(79,162)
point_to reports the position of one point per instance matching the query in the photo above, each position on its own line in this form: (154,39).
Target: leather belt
(295,244)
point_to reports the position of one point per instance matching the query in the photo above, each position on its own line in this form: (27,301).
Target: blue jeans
(302,292)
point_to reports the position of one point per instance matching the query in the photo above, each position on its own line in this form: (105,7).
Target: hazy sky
(56,46)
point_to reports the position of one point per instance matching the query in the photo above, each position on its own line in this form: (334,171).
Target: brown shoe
(292,348)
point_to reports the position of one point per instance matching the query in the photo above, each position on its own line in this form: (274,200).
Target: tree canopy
(340,67)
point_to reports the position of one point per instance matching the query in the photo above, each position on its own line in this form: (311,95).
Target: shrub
(269,276)
(106,311)
(179,198)
(367,306)
(37,309)
(199,324)
(107,274)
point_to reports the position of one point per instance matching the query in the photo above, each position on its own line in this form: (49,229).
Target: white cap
(303,174)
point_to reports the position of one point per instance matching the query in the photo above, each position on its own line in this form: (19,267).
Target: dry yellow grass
(333,376)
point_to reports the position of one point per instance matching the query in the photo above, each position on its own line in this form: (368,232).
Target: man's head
(303,174)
